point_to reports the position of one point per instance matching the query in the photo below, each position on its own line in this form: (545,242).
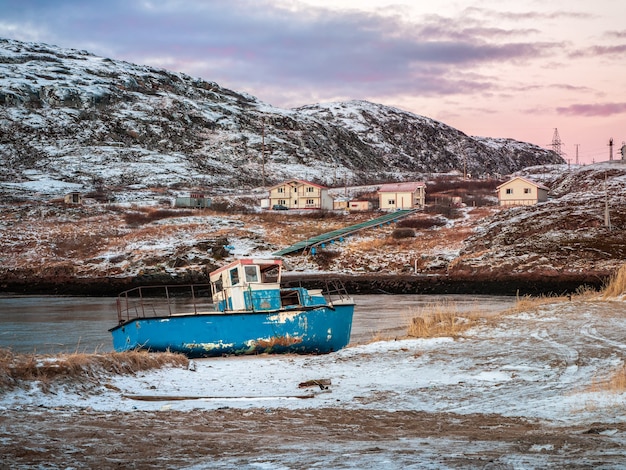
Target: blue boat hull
(316,330)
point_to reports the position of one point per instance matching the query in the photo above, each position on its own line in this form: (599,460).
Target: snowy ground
(528,390)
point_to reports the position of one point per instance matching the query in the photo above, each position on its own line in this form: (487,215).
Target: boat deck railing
(333,290)
(158,301)
(193,299)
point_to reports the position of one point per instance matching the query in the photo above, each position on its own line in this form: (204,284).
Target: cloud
(256,45)
(595,51)
(529,15)
(616,34)
(600,109)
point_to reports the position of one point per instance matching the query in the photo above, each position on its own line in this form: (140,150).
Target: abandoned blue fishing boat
(244,310)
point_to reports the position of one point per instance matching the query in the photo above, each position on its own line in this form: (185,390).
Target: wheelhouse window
(234,277)
(252,273)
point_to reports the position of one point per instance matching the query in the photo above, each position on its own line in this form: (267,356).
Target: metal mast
(556,143)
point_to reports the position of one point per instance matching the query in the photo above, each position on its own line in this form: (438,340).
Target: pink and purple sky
(495,68)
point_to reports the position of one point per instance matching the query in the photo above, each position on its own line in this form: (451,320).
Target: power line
(556,143)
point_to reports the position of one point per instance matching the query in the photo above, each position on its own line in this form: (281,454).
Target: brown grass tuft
(528,302)
(18,368)
(615,383)
(442,319)
(616,285)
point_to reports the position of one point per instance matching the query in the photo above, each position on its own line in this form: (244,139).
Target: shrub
(320,215)
(324,258)
(444,209)
(403,232)
(422,223)
(441,185)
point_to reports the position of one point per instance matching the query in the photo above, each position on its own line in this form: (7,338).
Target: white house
(195,200)
(520,191)
(409,195)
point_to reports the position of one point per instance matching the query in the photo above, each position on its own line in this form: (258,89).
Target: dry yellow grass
(442,319)
(18,368)
(528,303)
(616,285)
(615,383)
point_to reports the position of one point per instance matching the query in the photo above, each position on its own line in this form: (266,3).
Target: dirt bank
(476,283)
(270,437)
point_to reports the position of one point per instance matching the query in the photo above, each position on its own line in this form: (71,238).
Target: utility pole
(263,155)
(577,153)
(611,149)
(607,217)
(464,166)
(462,150)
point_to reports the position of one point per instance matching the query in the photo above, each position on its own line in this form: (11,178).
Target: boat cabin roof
(263,264)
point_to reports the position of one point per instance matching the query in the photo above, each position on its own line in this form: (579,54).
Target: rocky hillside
(71,120)
(578,232)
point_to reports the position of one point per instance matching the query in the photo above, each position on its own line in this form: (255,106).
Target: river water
(51,325)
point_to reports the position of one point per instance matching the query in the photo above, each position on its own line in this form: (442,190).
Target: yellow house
(299,194)
(394,196)
(519,191)
(357,206)
(341,203)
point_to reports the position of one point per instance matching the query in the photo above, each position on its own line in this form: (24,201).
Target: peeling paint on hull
(317,331)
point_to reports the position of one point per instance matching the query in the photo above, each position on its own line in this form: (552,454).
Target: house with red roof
(409,195)
(299,194)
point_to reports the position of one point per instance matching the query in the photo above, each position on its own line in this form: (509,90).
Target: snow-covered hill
(72,121)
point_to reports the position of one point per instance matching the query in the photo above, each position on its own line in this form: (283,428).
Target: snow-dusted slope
(570,234)
(407,142)
(76,121)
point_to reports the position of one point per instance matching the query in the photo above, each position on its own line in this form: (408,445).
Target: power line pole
(607,217)
(263,155)
(611,149)
(556,143)
(577,153)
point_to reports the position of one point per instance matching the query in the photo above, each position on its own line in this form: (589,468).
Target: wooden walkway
(340,234)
